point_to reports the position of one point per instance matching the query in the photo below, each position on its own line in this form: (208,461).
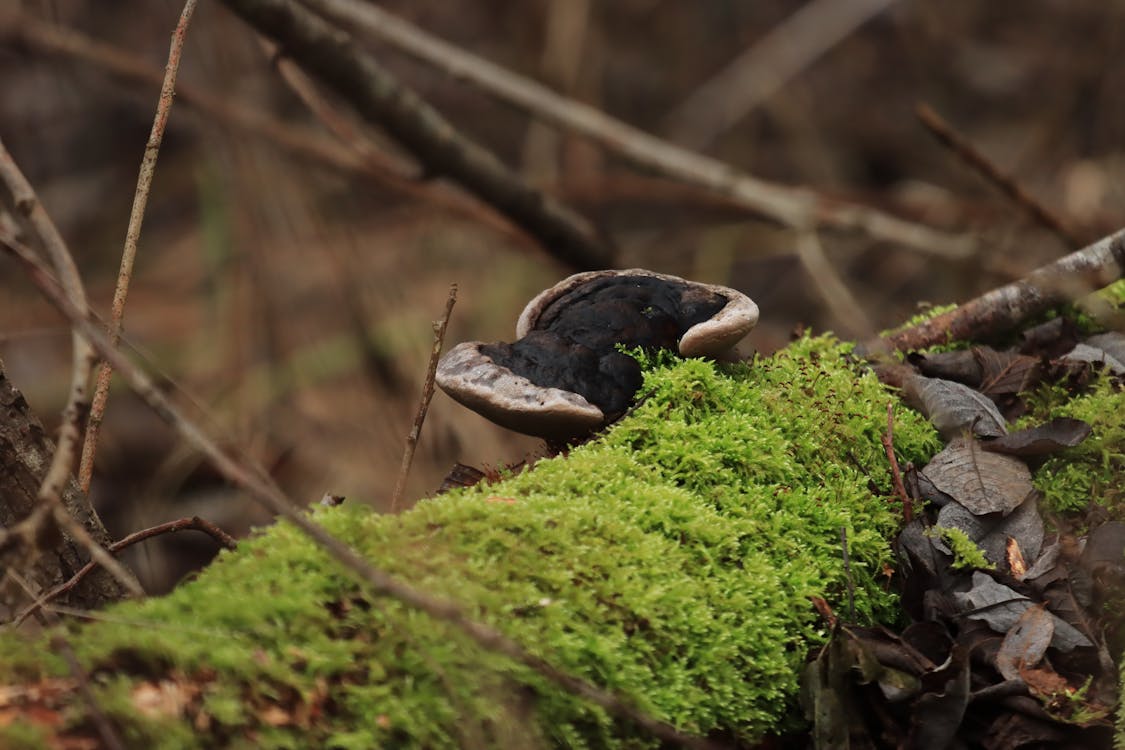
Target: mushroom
(564,376)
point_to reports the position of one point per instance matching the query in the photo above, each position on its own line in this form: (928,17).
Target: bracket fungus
(565,375)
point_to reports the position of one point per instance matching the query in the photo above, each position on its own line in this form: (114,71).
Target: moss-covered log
(673,560)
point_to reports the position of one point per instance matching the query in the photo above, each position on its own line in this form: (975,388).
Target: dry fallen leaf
(982,482)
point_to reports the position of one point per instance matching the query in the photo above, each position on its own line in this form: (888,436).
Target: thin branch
(896,474)
(1003,309)
(424,402)
(849,315)
(295,140)
(250,480)
(195,522)
(132,235)
(968,153)
(332,56)
(795,207)
(763,69)
(336,123)
(70,431)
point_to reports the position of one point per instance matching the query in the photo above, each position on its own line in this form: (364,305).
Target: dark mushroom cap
(564,377)
(689,317)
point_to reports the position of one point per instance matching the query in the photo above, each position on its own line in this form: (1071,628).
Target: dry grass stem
(763,69)
(169,527)
(132,235)
(331,55)
(294,140)
(250,479)
(791,206)
(896,474)
(851,320)
(982,165)
(32,529)
(424,401)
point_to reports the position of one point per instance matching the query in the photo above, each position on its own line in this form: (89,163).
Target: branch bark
(332,56)
(25,452)
(795,207)
(1003,309)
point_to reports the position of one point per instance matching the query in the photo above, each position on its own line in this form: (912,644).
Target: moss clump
(966,553)
(1093,471)
(671,560)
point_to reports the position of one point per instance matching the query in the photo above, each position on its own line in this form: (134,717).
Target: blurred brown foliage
(292,300)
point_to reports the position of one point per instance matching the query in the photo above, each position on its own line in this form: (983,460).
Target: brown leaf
(953,407)
(1096,356)
(1044,682)
(982,482)
(1005,373)
(959,365)
(1026,643)
(1054,436)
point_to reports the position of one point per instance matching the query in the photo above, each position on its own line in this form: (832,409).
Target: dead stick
(796,207)
(169,527)
(378,166)
(332,56)
(968,153)
(27,534)
(132,235)
(424,403)
(1003,309)
(250,480)
(889,446)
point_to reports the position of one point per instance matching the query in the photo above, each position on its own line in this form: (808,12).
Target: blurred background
(286,279)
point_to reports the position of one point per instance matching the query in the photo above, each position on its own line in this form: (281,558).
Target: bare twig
(1000,310)
(331,55)
(169,527)
(795,207)
(968,153)
(759,72)
(391,168)
(849,315)
(424,402)
(251,480)
(52,509)
(297,141)
(896,474)
(132,235)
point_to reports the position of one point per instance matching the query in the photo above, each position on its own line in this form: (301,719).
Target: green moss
(928,313)
(672,560)
(1093,471)
(966,553)
(23,735)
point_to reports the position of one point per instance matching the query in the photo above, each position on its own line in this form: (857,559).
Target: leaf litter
(1015,655)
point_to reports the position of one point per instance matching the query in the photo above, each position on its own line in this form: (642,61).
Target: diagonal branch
(795,207)
(52,510)
(132,235)
(331,55)
(252,480)
(1002,309)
